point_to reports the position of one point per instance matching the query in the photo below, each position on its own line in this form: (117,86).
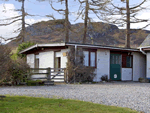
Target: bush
(5,61)
(140,79)
(18,70)
(143,80)
(11,71)
(35,83)
(104,78)
(75,68)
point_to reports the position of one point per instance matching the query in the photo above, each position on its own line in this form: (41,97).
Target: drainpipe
(142,51)
(36,45)
(75,52)
(75,61)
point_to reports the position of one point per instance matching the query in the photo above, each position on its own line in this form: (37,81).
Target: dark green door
(115,66)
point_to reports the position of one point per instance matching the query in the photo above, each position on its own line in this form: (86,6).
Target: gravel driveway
(132,95)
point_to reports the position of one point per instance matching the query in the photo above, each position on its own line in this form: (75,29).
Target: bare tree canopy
(64,12)
(15,19)
(97,7)
(125,15)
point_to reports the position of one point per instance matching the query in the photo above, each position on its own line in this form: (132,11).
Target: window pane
(92,60)
(86,58)
(129,61)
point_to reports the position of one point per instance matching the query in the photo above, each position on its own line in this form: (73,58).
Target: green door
(115,66)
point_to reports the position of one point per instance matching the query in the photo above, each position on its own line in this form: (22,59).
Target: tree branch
(10,22)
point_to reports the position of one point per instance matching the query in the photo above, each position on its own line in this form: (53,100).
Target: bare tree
(15,19)
(65,12)
(126,15)
(86,6)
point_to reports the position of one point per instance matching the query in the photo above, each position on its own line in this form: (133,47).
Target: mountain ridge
(99,33)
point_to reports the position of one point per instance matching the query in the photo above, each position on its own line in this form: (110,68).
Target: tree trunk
(85,21)
(23,21)
(66,22)
(127,42)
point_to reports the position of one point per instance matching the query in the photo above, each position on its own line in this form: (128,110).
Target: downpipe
(142,51)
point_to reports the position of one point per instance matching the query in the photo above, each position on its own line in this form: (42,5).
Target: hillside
(101,33)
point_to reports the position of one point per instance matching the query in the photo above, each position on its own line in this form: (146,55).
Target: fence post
(48,73)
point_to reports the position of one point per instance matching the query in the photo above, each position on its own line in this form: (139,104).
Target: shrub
(5,61)
(75,67)
(11,71)
(35,83)
(104,78)
(18,71)
(140,79)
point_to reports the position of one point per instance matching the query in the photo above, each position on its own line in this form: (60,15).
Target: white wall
(46,59)
(30,60)
(63,58)
(103,63)
(139,66)
(148,65)
(126,74)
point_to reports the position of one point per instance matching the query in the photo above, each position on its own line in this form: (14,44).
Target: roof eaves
(42,45)
(29,48)
(105,47)
(144,47)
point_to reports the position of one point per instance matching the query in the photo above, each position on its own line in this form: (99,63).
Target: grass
(22,104)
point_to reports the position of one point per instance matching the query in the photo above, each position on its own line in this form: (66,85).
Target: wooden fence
(56,74)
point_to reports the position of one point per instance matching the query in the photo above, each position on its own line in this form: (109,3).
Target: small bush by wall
(35,83)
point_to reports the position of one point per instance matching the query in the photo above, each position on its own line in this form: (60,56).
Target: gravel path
(132,95)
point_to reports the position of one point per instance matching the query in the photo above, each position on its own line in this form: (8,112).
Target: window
(126,61)
(90,58)
(115,59)
(86,58)
(57,60)
(129,61)
(36,61)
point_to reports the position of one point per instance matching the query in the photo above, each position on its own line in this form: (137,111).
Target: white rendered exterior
(139,66)
(148,65)
(63,58)
(46,59)
(103,63)
(30,60)
(126,74)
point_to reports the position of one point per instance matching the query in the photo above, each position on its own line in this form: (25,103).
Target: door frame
(120,65)
(122,52)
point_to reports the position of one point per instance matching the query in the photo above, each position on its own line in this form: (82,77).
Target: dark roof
(79,45)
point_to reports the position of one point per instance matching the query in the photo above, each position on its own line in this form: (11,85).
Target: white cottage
(145,49)
(116,62)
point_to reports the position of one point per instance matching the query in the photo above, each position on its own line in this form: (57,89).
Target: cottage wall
(63,58)
(126,74)
(103,63)
(30,60)
(46,59)
(139,66)
(148,66)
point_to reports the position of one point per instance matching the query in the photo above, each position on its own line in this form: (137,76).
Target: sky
(35,7)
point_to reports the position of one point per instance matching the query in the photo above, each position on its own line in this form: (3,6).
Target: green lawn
(19,104)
